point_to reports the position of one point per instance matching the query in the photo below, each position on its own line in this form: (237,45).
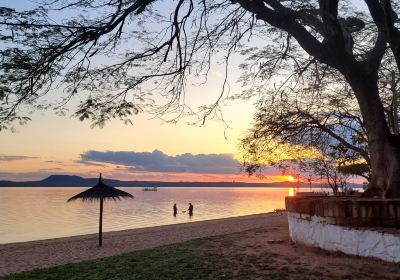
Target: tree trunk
(385,167)
(383,146)
(101,223)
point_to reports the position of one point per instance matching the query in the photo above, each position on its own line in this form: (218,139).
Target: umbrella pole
(101,222)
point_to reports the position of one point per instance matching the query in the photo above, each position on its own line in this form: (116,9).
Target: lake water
(41,213)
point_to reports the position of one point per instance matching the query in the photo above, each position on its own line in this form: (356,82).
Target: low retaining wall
(355,226)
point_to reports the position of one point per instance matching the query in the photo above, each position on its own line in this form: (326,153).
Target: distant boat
(151,189)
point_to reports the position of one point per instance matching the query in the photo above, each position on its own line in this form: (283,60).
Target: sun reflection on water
(291,191)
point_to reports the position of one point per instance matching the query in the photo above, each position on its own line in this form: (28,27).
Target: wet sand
(17,257)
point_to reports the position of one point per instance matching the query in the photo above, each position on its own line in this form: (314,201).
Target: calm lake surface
(41,213)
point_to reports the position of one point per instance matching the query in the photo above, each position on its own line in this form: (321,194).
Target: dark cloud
(55,161)
(50,169)
(89,163)
(11,158)
(158,161)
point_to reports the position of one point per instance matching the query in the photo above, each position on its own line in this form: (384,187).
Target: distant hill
(60,181)
(77,181)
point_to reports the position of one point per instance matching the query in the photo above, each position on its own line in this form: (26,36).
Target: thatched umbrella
(100,192)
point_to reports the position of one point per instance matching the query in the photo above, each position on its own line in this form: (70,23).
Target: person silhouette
(175,210)
(190,210)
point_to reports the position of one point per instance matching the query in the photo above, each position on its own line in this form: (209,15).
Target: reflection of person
(190,209)
(175,210)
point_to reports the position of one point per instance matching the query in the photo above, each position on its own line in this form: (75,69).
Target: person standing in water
(190,209)
(175,210)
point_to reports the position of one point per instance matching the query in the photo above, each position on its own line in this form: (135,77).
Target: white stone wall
(315,231)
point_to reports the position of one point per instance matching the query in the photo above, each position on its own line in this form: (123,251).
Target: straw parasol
(100,192)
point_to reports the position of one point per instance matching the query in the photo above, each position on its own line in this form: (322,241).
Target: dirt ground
(269,253)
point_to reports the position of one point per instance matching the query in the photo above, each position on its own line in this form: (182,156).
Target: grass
(167,262)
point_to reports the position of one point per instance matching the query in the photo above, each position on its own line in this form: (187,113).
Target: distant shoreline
(198,187)
(77,181)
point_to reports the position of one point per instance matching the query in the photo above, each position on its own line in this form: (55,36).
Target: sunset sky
(151,149)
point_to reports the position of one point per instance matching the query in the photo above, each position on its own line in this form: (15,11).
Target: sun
(290,178)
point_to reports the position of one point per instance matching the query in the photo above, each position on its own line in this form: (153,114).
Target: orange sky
(53,145)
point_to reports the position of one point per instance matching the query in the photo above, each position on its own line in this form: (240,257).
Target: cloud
(51,169)
(12,158)
(157,161)
(55,161)
(89,163)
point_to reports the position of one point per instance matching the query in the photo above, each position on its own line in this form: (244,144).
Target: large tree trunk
(384,147)
(385,167)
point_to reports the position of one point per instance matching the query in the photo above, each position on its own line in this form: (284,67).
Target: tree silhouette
(151,47)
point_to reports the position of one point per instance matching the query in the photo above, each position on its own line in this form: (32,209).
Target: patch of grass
(167,262)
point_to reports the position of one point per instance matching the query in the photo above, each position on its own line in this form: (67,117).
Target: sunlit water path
(42,213)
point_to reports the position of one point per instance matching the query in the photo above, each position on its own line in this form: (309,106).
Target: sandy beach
(17,257)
